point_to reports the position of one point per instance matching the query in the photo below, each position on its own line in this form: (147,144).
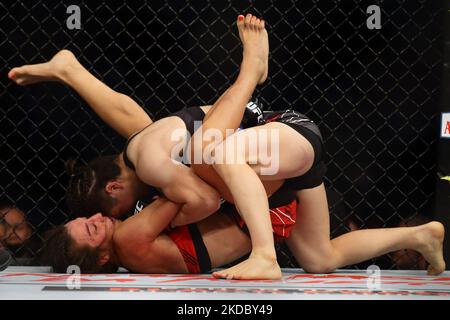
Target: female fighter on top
(297,153)
(261,263)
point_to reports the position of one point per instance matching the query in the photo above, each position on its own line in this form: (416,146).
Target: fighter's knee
(322,263)
(318,267)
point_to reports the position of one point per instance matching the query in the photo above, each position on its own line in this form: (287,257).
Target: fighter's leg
(119,111)
(271,152)
(227,112)
(254,67)
(315,252)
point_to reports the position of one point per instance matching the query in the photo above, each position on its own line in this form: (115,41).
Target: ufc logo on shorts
(445,125)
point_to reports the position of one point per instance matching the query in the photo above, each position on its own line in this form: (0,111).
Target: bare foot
(431,239)
(48,71)
(255,41)
(254,268)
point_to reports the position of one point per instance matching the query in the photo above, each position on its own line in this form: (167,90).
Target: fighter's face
(124,205)
(125,192)
(95,232)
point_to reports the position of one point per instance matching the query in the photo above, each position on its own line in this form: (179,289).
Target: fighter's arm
(147,224)
(118,110)
(136,238)
(180,184)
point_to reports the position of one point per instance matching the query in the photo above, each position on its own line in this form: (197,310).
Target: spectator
(14,227)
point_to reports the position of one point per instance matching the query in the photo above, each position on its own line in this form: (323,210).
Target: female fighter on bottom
(143,244)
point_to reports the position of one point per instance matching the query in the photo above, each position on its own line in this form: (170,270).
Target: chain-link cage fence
(374,93)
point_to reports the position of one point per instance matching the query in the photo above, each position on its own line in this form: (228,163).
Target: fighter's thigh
(309,240)
(274,150)
(210,176)
(240,147)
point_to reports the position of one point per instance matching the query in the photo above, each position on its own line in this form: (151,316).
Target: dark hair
(60,252)
(86,194)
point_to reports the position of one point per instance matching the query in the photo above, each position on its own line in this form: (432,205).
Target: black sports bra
(188,115)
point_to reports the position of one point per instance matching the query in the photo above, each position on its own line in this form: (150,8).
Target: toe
(12,74)
(237,277)
(222,275)
(248,18)
(240,20)
(253,22)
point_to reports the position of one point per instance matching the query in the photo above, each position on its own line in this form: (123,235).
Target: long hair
(86,193)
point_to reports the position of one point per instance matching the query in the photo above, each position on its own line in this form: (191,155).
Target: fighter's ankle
(266,254)
(247,77)
(64,72)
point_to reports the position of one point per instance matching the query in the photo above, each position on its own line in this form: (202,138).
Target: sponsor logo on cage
(445,125)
